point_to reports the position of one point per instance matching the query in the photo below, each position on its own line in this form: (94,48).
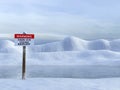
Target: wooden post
(24,63)
(23,40)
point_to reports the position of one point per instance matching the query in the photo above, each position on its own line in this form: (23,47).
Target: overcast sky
(82,18)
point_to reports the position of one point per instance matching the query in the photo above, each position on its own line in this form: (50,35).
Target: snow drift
(7,46)
(70,57)
(76,44)
(67,44)
(70,50)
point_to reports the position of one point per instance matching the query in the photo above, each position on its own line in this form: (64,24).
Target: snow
(63,56)
(7,46)
(100,44)
(60,84)
(69,64)
(67,44)
(77,44)
(61,71)
(115,45)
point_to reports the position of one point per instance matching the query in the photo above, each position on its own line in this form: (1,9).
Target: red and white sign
(24,39)
(31,36)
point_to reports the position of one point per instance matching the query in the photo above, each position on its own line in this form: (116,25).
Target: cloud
(27,6)
(6,36)
(40,36)
(82,18)
(61,23)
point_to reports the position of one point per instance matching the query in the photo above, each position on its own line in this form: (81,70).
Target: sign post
(24,63)
(24,40)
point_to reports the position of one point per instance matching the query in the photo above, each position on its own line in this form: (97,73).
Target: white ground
(60,84)
(78,65)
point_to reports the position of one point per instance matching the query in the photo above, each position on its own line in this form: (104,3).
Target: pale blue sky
(82,18)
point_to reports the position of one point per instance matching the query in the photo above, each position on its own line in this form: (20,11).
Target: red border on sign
(31,36)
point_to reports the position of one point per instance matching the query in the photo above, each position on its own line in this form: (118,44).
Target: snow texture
(76,44)
(67,44)
(94,65)
(60,84)
(71,57)
(69,51)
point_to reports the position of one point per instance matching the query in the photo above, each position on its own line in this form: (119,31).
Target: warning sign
(24,39)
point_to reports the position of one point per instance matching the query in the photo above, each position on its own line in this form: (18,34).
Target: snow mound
(49,47)
(99,45)
(115,45)
(7,46)
(73,44)
(68,44)
(77,44)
